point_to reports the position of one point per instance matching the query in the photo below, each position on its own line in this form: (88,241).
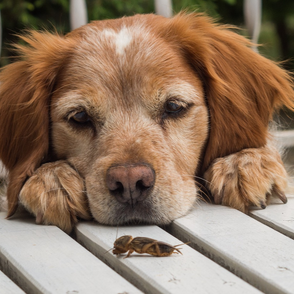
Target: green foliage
(106,9)
(207,6)
(277,30)
(210,7)
(18,13)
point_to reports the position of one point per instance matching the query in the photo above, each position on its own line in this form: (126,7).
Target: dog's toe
(55,195)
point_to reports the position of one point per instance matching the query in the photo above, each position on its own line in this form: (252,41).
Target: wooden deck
(230,252)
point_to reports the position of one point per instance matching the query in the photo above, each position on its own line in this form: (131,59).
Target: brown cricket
(143,245)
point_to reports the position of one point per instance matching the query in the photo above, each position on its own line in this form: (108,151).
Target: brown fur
(231,93)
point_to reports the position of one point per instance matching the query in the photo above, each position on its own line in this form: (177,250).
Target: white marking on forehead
(121,39)
(108,33)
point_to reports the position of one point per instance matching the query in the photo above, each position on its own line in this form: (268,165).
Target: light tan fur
(247,178)
(123,74)
(55,194)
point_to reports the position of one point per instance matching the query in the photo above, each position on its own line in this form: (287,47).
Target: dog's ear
(25,90)
(242,88)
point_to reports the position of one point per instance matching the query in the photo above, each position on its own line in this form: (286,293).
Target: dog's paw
(247,178)
(55,195)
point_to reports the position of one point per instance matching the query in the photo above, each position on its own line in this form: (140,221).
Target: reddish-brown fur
(26,88)
(242,90)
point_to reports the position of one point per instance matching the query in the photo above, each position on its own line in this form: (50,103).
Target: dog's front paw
(55,195)
(247,178)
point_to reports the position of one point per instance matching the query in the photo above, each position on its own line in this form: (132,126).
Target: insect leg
(146,247)
(158,252)
(129,253)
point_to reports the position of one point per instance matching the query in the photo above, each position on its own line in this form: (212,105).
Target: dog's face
(140,107)
(130,116)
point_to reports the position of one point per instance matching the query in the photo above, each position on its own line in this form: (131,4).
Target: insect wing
(167,249)
(139,244)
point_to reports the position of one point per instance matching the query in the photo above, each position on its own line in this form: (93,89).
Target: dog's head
(139,106)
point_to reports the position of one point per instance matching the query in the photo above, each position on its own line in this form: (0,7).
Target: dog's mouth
(140,213)
(126,200)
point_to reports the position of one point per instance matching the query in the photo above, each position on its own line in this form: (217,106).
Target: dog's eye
(80,120)
(173,107)
(81,117)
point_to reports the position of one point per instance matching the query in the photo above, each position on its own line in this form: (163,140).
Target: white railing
(163,7)
(252,14)
(78,13)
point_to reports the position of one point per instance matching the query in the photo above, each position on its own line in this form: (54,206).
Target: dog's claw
(39,218)
(281,195)
(219,196)
(262,204)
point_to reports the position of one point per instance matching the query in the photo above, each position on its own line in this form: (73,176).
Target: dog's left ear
(25,91)
(242,88)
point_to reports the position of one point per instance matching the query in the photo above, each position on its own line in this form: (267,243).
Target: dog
(126,120)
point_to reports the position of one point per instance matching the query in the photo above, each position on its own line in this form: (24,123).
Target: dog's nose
(130,183)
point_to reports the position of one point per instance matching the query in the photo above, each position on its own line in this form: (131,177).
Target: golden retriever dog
(120,119)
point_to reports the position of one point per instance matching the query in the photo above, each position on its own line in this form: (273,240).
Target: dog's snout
(130,183)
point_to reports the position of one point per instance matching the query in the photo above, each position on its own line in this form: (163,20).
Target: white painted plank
(3,171)
(278,216)
(43,259)
(253,251)
(7,286)
(188,273)
(284,138)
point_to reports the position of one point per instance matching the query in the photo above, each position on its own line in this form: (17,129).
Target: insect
(143,245)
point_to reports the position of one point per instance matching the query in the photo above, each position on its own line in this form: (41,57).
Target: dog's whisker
(195,177)
(61,188)
(202,179)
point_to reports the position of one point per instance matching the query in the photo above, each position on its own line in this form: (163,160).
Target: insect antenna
(116,232)
(183,244)
(178,249)
(115,239)
(108,250)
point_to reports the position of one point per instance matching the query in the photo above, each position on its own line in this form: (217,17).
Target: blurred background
(277,29)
